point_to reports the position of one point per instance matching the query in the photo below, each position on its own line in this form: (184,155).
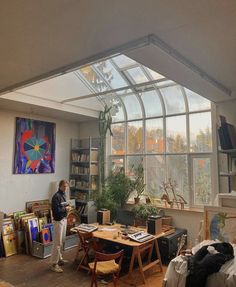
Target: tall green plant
(120,186)
(105,121)
(116,191)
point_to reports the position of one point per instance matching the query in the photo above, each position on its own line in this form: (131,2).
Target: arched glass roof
(133,90)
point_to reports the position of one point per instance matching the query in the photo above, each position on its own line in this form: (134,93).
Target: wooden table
(113,234)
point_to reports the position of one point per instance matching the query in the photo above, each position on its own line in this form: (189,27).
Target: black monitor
(125,217)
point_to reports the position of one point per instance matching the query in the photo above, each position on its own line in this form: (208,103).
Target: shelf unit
(227,170)
(84,176)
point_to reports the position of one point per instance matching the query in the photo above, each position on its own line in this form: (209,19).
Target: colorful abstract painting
(34,147)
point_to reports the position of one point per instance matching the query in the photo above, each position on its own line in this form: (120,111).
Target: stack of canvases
(20,230)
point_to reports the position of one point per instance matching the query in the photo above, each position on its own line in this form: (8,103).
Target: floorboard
(26,271)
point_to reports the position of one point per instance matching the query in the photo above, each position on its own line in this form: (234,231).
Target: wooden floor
(27,271)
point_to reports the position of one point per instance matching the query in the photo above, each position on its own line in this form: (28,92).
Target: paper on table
(108,229)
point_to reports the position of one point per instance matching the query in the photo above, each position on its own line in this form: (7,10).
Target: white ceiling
(195,41)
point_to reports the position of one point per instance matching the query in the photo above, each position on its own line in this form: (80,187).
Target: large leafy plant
(116,191)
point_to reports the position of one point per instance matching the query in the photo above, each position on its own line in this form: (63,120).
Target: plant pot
(139,222)
(136,200)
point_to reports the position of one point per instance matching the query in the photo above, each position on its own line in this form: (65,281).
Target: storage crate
(71,241)
(41,250)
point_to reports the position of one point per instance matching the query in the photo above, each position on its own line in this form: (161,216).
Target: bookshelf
(84,176)
(227,170)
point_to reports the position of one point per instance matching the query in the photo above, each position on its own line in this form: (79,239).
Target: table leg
(140,263)
(150,253)
(131,265)
(158,254)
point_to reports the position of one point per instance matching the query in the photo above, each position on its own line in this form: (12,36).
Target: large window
(169,129)
(157,122)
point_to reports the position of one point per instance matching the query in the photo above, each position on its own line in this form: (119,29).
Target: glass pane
(132,106)
(200,132)
(196,102)
(152,104)
(116,163)
(118,139)
(154,136)
(123,61)
(177,172)
(201,180)
(174,100)
(94,79)
(176,134)
(117,111)
(135,137)
(111,75)
(154,75)
(137,75)
(132,163)
(155,175)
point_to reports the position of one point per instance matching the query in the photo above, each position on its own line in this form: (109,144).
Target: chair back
(87,239)
(99,256)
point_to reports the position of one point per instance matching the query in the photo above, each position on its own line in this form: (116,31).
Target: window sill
(186,209)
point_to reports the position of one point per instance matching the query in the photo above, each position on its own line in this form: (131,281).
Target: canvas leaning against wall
(34,147)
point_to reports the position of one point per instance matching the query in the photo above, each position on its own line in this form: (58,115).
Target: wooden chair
(105,264)
(87,243)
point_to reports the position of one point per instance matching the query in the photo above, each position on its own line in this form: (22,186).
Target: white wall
(88,129)
(228,109)
(15,190)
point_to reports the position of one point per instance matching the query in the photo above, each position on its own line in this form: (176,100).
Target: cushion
(105,267)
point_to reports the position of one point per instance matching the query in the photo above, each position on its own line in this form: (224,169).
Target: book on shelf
(94,155)
(94,169)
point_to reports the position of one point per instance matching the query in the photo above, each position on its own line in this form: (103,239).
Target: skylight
(133,90)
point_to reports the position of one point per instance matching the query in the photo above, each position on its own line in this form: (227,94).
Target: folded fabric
(204,263)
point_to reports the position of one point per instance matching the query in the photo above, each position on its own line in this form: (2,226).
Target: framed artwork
(34,147)
(36,205)
(9,242)
(220,223)
(45,235)
(7,227)
(50,227)
(33,229)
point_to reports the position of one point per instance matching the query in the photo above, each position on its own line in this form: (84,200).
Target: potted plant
(104,200)
(142,211)
(139,182)
(116,191)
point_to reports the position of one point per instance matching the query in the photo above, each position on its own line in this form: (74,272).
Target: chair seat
(105,267)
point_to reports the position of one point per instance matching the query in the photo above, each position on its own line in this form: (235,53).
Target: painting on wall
(34,147)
